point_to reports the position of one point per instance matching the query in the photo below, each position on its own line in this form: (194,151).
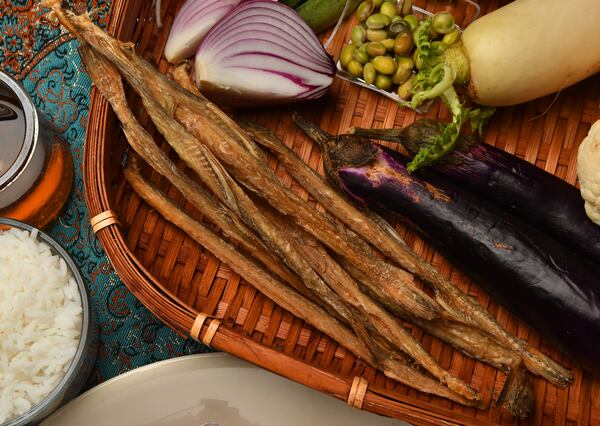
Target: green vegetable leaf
(441,145)
(423,43)
(479,118)
(437,81)
(436,78)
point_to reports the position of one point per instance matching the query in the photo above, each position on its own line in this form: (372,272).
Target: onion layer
(192,23)
(262,53)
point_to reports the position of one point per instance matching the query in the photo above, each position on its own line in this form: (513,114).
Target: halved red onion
(262,53)
(192,23)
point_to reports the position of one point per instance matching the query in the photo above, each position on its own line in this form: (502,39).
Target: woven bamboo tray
(177,279)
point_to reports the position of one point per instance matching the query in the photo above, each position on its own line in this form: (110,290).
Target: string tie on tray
(104,219)
(358,391)
(210,332)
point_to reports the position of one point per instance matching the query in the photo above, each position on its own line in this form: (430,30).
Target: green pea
(360,56)
(376,35)
(443,23)
(378,21)
(405,89)
(403,43)
(398,26)
(384,64)
(417,59)
(451,37)
(377,3)
(412,21)
(358,35)
(375,48)
(388,43)
(389,9)
(364,10)
(346,55)
(439,46)
(383,82)
(406,8)
(416,32)
(369,73)
(403,71)
(355,68)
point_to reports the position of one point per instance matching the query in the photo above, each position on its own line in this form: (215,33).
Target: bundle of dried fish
(107,80)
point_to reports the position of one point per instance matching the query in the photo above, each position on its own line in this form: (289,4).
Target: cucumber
(292,3)
(322,14)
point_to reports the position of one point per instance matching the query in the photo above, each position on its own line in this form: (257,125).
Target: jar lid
(18,118)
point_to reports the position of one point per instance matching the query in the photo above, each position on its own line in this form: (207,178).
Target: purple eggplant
(532,274)
(536,196)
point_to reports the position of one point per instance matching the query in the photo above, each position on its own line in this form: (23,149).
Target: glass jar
(36,168)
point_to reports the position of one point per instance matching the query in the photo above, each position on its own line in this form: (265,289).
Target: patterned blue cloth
(44,57)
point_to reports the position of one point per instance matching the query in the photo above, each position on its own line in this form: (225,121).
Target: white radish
(531,48)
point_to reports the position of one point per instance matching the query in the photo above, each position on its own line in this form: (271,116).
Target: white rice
(40,321)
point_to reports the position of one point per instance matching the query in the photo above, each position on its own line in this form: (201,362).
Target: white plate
(198,389)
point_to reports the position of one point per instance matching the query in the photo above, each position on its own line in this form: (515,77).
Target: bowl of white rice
(48,335)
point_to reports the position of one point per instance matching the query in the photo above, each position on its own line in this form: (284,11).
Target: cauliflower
(588,171)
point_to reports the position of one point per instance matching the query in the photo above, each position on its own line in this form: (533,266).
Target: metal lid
(14,104)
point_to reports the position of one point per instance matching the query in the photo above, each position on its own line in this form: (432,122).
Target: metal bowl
(29,160)
(81,365)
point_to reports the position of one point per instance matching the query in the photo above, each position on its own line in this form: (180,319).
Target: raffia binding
(358,391)
(104,219)
(197,326)
(210,333)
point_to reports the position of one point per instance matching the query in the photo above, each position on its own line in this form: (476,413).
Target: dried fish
(195,153)
(108,80)
(244,160)
(266,283)
(378,320)
(394,367)
(217,180)
(465,337)
(472,342)
(517,395)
